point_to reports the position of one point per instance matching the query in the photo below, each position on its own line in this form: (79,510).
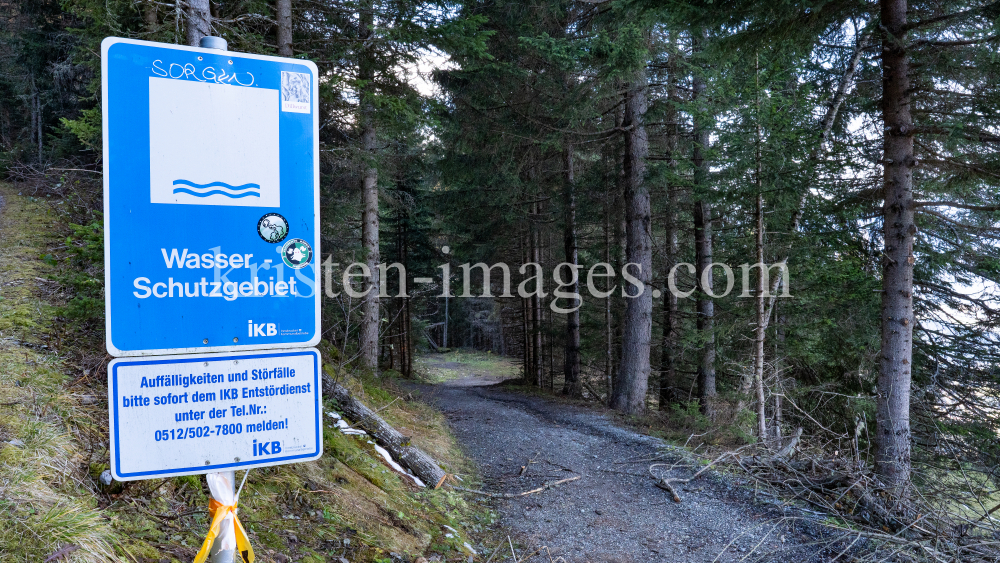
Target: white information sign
(204,413)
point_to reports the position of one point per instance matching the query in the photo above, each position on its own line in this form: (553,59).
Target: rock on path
(613,513)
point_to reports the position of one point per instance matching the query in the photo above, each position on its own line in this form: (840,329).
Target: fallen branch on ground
(62,553)
(515,495)
(850,500)
(667,484)
(172,516)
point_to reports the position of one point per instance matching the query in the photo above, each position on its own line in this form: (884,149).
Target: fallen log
(431,341)
(421,464)
(593,391)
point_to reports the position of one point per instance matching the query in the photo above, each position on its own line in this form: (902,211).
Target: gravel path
(613,513)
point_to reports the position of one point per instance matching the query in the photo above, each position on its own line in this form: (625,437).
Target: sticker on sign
(203,413)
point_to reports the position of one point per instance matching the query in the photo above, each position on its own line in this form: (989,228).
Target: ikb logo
(262,448)
(263,329)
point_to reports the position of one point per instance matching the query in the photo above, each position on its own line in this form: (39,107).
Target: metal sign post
(211,207)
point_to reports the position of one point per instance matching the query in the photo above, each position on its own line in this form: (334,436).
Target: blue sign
(204,413)
(211,200)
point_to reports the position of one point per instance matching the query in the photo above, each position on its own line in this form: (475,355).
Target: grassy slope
(348,504)
(42,495)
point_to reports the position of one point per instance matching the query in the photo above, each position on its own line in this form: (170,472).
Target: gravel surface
(613,513)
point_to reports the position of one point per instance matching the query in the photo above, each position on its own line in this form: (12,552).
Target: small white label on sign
(213,144)
(296,92)
(185,415)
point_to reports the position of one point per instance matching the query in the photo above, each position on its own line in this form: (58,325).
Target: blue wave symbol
(201,190)
(221,184)
(214,192)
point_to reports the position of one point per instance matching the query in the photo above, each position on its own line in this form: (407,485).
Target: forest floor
(613,512)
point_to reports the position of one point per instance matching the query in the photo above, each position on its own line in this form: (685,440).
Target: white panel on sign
(213,144)
(192,414)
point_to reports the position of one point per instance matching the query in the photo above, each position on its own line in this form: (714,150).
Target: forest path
(613,513)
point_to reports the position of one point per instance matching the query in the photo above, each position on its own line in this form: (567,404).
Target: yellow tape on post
(218,512)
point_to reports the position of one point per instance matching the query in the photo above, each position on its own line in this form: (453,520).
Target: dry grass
(46,502)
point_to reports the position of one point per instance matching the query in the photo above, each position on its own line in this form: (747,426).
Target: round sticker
(296,253)
(272,228)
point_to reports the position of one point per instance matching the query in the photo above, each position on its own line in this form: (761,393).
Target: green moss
(192,481)
(95,469)
(359,456)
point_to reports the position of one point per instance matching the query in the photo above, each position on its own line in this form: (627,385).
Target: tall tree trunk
(703,246)
(705,307)
(526,309)
(621,258)
(609,335)
(199,21)
(369,193)
(35,117)
(284,32)
(892,442)
(526,337)
(669,386)
(618,244)
(826,127)
(779,370)
(408,322)
(571,365)
(761,325)
(39,122)
(409,340)
(552,351)
(447,318)
(402,316)
(668,368)
(633,378)
(536,305)
(758,364)
(149,15)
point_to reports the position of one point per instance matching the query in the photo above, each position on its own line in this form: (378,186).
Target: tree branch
(946,17)
(956,205)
